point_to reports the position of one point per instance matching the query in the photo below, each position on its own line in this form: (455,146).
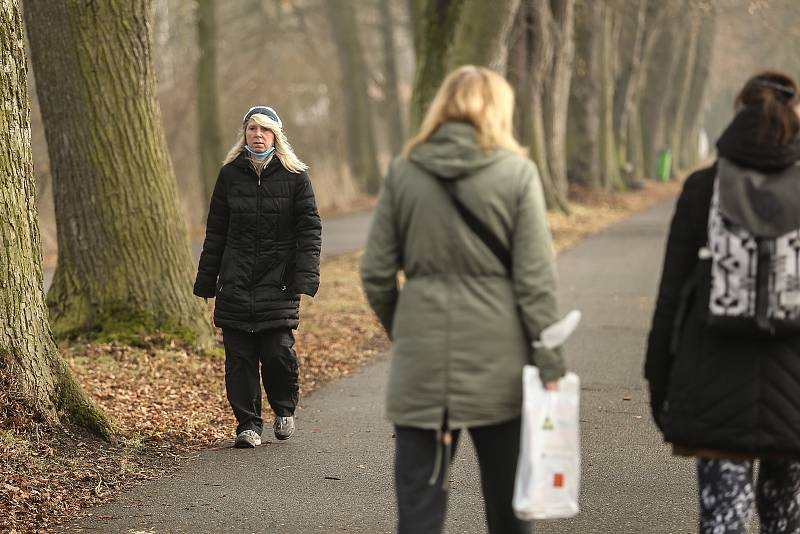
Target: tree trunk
(518,72)
(393,107)
(124,263)
(696,98)
(31,369)
(434,27)
(654,20)
(555,95)
(209,132)
(529,55)
(610,171)
(659,90)
(686,82)
(481,35)
(584,106)
(357,110)
(627,87)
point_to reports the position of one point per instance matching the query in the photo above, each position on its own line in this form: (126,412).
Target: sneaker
(247,440)
(284,427)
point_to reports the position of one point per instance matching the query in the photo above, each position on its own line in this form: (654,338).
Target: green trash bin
(664,165)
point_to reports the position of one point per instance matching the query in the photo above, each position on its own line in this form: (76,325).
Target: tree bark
(530,67)
(209,131)
(31,369)
(654,21)
(392,96)
(679,133)
(627,86)
(434,28)
(124,263)
(481,35)
(694,108)
(555,91)
(584,106)
(357,111)
(610,171)
(659,91)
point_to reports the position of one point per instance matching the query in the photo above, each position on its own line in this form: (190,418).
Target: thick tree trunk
(481,36)
(555,96)
(584,106)
(209,132)
(31,369)
(434,27)
(530,63)
(393,107)
(124,264)
(357,110)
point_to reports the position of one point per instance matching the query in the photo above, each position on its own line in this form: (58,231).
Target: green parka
(458,339)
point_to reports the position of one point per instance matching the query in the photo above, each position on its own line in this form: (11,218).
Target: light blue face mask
(260,155)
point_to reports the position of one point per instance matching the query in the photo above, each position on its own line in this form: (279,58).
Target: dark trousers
(422,506)
(273,351)
(727,495)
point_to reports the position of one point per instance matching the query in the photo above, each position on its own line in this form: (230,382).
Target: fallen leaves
(167,401)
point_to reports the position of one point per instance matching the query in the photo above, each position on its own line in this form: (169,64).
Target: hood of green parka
(452,151)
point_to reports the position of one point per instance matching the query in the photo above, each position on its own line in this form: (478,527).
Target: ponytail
(774,96)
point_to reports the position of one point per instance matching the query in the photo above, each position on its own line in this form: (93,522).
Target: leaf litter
(168,402)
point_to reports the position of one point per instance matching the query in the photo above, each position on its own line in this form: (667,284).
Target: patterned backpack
(755,274)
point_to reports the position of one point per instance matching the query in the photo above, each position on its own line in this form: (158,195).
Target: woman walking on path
(460,325)
(723,359)
(261,252)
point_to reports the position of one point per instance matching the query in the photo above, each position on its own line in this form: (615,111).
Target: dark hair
(773,95)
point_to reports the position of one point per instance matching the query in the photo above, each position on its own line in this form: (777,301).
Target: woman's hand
(551,386)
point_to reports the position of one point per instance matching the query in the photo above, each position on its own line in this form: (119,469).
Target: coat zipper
(255,260)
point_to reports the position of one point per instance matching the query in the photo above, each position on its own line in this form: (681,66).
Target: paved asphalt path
(340,235)
(335,474)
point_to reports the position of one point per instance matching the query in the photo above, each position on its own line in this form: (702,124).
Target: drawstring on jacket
(444,454)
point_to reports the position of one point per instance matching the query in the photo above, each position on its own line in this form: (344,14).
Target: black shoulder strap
(478,227)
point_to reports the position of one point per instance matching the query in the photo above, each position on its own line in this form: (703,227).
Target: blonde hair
(283,150)
(478,96)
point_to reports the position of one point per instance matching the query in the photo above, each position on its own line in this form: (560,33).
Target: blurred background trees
(604,87)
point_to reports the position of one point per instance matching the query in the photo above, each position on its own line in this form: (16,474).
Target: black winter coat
(262,246)
(711,390)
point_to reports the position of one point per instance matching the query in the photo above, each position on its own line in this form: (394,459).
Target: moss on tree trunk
(124,264)
(30,364)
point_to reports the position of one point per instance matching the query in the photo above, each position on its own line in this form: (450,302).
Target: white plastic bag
(548,470)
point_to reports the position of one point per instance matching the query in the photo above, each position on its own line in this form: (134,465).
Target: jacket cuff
(550,363)
(306,287)
(204,291)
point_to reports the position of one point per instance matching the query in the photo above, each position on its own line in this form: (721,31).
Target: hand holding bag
(548,470)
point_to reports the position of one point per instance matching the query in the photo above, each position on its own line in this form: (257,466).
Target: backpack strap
(478,227)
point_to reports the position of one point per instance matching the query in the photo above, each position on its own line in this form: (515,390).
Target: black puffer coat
(709,390)
(262,246)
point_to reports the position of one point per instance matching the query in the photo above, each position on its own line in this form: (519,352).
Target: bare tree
(393,109)
(357,112)
(209,133)
(124,264)
(31,368)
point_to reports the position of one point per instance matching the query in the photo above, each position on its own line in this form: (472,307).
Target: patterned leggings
(727,496)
